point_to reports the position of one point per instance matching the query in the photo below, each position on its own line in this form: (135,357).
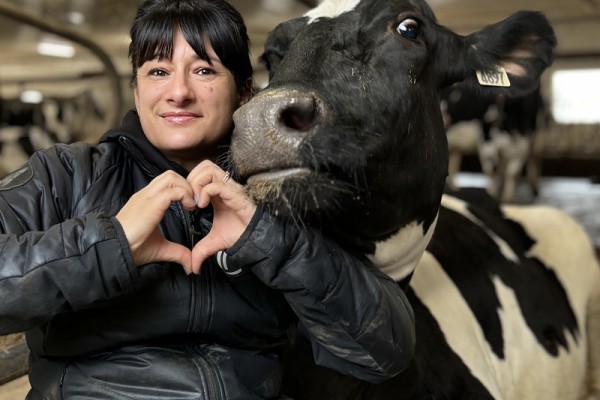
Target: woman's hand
(232,210)
(141,216)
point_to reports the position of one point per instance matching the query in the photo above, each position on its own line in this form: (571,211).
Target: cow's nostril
(300,117)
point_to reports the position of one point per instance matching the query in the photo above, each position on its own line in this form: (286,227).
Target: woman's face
(185,104)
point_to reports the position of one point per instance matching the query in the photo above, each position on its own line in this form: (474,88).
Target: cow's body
(500,130)
(506,301)
(515,306)
(496,318)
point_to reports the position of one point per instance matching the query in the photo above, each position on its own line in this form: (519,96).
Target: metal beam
(14,12)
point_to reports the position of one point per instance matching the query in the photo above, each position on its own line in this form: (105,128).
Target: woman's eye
(409,29)
(205,71)
(157,72)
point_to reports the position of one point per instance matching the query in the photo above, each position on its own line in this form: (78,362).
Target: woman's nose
(180,89)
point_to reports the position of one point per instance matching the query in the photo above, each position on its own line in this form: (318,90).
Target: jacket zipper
(214,389)
(150,169)
(201,288)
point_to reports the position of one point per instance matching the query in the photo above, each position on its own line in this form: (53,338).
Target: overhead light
(31,97)
(76,18)
(55,48)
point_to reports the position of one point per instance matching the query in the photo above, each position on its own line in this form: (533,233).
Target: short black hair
(214,20)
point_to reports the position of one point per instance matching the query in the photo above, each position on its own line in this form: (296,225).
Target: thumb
(178,253)
(203,250)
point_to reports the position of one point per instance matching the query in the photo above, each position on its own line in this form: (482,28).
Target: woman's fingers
(232,210)
(170,187)
(228,197)
(205,248)
(211,184)
(206,184)
(157,248)
(142,214)
(204,174)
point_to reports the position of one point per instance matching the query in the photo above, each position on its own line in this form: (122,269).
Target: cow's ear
(278,42)
(510,55)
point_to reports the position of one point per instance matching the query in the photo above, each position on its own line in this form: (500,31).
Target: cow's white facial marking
(460,206)
(399,255)
(331,8)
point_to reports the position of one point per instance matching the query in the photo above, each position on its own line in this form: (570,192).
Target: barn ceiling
(105,23)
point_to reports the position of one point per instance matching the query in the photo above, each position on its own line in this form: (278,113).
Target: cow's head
(349,130)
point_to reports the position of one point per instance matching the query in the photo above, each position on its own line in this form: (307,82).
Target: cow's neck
(399,255)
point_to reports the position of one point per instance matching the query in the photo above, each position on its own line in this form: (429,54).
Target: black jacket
(99,327)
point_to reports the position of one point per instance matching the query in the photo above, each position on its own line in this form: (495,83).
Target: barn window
(571,103)
(31,97)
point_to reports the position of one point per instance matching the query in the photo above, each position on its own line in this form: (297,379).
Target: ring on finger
(227,176)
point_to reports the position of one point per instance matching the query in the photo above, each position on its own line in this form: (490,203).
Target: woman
(94,238)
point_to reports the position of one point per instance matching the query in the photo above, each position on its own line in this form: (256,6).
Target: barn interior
(72,55)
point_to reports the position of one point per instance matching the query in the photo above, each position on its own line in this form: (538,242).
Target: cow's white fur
(564,246)
(399,255)
(331,9)
(528,371)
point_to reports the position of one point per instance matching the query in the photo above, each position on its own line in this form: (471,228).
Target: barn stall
(82,89)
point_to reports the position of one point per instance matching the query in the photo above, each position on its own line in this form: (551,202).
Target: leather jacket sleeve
(48,267)
(359,320)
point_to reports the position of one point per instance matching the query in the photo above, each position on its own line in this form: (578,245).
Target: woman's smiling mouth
(179,118)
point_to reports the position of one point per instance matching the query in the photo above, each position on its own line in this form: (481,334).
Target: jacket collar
(131,136)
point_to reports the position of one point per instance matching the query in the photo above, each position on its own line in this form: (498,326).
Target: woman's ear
(136,98)
(246,92)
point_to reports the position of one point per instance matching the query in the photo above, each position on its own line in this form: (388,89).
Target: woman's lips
(179,118)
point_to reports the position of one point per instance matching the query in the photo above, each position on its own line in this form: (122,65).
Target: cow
(26,127)
(500,130)
(348,137)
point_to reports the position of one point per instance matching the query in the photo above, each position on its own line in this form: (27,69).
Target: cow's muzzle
(271,130)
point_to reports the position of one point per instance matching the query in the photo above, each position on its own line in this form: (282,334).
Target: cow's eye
(409,29)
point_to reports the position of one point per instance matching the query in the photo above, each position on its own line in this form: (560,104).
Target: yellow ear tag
(498,78)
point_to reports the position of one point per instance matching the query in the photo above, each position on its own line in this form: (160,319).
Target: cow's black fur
(399,157)
(349,134)
(545,306)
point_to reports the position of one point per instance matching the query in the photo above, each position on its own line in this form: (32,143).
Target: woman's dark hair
(213,20)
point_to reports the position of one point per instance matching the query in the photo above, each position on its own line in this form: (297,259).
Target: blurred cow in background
(501,130)
(27,127)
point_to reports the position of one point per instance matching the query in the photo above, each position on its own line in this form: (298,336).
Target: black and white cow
(27,127)
(348,135)
(501,130)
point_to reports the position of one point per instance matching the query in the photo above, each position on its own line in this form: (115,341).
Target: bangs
(201,23)
(156,42)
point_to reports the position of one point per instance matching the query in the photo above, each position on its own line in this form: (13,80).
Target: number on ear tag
(497,78)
